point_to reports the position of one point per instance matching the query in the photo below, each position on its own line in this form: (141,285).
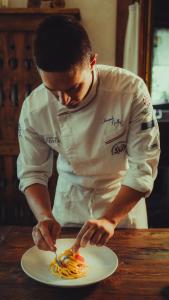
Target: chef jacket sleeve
(143,146)
(35,161)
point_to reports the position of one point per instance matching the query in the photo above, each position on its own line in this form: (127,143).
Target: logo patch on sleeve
(147,125)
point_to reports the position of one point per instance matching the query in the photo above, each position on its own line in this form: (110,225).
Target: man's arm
(38,199)
(47,229)
(99,231)
(34,168)
(125,200)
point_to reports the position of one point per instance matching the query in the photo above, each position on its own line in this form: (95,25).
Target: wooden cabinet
(18,77)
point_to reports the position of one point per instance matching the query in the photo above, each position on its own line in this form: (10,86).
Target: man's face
(69,87)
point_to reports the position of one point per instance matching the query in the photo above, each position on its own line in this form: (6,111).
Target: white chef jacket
(110,139)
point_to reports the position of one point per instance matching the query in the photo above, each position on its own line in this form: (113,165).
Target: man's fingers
(46,236)
(77,243)
(87,237)
(83,236)
(55,233)
(104,239)
(101,239)
(95,239)
(39,241)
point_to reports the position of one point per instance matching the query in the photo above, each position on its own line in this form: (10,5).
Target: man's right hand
(45,233)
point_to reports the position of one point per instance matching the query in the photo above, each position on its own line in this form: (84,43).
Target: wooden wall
(18,77)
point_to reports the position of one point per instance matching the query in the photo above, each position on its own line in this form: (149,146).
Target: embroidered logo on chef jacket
(20,130)
(147,107)
(119,148)
(116,122)
(51,139)
(155,144)
(146,101)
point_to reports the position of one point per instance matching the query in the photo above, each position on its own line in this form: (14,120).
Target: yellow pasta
(68,265)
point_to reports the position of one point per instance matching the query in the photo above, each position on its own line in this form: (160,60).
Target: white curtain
(130,59)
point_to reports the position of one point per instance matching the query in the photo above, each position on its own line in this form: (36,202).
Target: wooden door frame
(145,40)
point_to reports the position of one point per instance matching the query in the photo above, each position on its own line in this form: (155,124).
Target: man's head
(60,44)
(64,58)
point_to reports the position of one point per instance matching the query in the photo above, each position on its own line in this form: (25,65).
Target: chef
(100,121)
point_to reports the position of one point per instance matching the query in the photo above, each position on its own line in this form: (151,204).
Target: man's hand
(45,234)
(96,232)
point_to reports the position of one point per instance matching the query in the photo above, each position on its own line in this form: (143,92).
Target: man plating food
(100,120)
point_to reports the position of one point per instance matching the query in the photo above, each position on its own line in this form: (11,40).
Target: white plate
(101,261)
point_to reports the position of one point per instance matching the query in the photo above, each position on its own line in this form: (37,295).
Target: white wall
(99,19)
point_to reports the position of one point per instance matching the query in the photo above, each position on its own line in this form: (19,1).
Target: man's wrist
(109,219)
(43,216)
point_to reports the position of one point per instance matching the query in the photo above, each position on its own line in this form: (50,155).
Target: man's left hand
(96,232)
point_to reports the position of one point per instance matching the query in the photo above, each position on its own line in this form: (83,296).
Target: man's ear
(93,59)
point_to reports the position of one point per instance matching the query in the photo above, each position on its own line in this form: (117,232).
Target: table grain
(143,271)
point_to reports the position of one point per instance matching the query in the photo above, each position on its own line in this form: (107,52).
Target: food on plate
(68,265)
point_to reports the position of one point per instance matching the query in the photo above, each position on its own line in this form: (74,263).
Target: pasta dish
(68,265)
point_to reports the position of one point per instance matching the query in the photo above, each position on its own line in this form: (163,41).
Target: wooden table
(143,271)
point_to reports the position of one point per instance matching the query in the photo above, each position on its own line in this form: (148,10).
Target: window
(160,67)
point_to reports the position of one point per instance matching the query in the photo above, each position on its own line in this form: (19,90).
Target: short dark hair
(61,42)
